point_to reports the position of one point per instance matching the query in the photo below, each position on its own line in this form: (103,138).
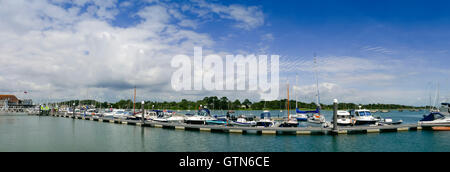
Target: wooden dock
(264,131)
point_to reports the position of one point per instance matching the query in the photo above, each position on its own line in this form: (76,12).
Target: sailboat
(291,122)
(299,116)
(315,116)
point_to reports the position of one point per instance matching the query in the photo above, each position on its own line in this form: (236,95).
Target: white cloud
(247,17)
(56,53)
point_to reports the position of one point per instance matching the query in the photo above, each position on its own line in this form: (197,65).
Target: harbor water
(34,133)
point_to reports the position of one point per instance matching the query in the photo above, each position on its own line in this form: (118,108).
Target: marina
(63,133)
(261,130)
(224,76)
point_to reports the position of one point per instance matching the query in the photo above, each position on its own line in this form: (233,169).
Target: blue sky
(368,51)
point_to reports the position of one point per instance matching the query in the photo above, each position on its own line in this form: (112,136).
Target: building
(12,100)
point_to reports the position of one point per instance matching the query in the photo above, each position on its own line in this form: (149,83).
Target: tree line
(224,103)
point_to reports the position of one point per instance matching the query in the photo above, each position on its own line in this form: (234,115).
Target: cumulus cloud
(63,49)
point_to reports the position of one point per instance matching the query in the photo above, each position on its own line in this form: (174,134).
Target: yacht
(266,121)
(300,116)
(292,122)
(91,112)
(242,121)
(201,117)
(435,118)
(363,116)
(115,113)
(150,115)
(344,118)
(159,116)
(438,116)
(167,116)
(315,117)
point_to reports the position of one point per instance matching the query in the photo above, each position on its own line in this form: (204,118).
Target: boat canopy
(316,111)
(265,114)
(433,116)
(446,104)
(203,111)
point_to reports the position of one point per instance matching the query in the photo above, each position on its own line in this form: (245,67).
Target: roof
(12,98)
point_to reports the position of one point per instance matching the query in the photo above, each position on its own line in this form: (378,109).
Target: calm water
(32,133)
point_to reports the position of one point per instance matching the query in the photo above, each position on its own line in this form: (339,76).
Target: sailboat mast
(289,116)
(295,92)
(134,101)
(317,82)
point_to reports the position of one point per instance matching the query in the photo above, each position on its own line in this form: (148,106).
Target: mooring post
(143,113)
(73,111)
(335,109)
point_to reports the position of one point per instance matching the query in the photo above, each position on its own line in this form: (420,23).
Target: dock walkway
(256,130)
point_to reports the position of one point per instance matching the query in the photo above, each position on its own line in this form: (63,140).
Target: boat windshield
(203,113)
(364,113)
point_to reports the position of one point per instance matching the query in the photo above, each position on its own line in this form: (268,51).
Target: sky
(380,51)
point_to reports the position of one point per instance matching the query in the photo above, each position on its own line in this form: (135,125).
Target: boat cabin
(342,114)
(361,113)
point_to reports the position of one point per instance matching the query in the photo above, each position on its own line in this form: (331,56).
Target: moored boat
(266,121)
(435,118)
(344,118)
(201,117)
(242,121)
(363,116)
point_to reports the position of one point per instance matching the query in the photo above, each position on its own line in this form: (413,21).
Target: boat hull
(302,119)
(289,125)
(359,122)
(195,122)
(441,128)
(242,124)
(344,124)
(216,122)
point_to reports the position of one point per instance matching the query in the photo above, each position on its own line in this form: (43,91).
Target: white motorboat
(241,121)
(266,121)
(115,113)
(91,112)
(363,116)
(344,118)
(167,116)
(435,118)
(201,117)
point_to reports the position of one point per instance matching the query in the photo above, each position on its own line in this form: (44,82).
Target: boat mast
(289,117)
(436,104)
(317,82)
(295,92)
(134,101)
